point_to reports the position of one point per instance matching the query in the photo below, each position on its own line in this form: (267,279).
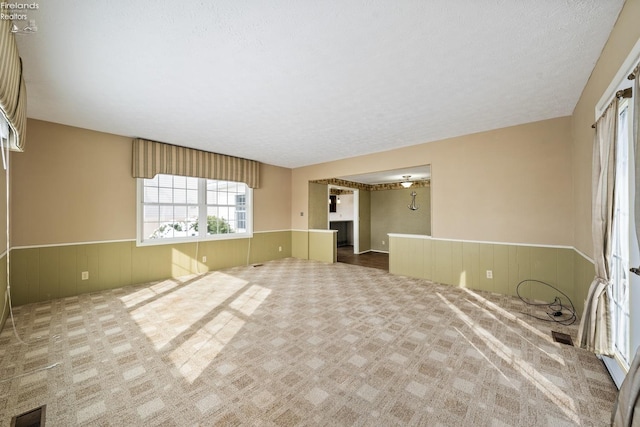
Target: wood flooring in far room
(368,259)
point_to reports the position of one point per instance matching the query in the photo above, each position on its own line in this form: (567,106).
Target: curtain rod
(624,93)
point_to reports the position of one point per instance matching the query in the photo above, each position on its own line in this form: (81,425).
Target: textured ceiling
(297,83)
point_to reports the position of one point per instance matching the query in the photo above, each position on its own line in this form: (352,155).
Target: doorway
(623,292)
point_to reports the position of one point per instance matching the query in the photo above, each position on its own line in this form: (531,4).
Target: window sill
(179,241)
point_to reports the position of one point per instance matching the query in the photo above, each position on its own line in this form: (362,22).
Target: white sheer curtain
(594,333)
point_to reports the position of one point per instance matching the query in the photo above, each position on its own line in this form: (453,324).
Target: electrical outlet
(301,213)
(489,274)
(384,243)
(204,258)
(279,248)
(85,275)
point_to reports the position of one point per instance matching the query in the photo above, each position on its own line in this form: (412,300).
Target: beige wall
(74,185)
(272,201)
(622,39)
(508,185)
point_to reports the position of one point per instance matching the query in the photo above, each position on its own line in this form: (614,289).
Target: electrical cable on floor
(5,164)
(248,252)
(45,368)
(558,312)
(4,145)
(197,266)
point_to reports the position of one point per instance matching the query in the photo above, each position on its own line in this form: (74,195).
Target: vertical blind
(13,91)
(151,158)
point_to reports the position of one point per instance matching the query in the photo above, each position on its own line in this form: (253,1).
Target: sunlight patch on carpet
(183,307)
(194,355)
(528,371)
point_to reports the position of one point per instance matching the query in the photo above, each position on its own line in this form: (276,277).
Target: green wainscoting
(45,273)
(318,245)
(584,273)
(300,244)
(323,245)
(3,291)
(465,264)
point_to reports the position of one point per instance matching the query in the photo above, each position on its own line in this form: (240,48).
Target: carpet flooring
(296,342)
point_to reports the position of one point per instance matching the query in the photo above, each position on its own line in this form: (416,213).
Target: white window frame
(202,218)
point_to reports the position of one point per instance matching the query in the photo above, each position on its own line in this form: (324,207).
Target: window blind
(13,91)
(151,158)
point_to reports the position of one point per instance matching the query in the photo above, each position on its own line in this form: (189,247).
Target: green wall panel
(501,269)
(417,260)
(322,246)
(3,291)
(443,262)
(48,274)
(18,276)
(45,273)
(68,261)
(471,264)
(39,274)
(33,276)
(457,263)
(584,272)
(485,263)
(465,264)
(428,258)
(300,244)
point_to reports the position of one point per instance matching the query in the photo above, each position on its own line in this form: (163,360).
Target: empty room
(319,213)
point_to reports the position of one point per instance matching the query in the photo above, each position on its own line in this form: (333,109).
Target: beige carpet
(297,342)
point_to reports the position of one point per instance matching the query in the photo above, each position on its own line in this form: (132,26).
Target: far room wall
(390,214)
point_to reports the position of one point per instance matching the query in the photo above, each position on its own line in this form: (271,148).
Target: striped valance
(151,158)
(13,92)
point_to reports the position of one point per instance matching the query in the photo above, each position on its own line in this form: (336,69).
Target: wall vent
(562,338)
(32,418)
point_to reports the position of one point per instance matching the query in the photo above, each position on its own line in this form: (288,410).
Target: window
(619,290)
(175,208)
(241,211)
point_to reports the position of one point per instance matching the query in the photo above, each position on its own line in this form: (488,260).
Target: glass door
(625,252)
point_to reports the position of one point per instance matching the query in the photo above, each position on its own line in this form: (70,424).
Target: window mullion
(202,207)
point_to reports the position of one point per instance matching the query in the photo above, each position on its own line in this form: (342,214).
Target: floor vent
(32,418)
(562,338)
